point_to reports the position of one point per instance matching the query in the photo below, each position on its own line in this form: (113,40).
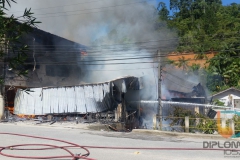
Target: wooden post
(155,122)
(187,124)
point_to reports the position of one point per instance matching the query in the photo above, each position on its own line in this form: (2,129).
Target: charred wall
(51,61)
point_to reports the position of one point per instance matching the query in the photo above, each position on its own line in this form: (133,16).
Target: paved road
(104,138)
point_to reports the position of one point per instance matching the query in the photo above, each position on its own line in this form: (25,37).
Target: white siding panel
(24,103)
(80,100)
(30,100)
(100,87)
(46,101)
(91,105)
(71,99)
(63,102)
(96,93)
(38,103)
(60,99)
(88,91)
(106,88)
(54,100)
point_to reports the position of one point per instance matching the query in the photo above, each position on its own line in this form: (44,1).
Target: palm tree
(195,68)
(183,63)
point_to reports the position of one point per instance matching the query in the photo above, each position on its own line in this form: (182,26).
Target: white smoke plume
(111,29)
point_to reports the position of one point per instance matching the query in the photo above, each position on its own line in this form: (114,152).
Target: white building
(231,97)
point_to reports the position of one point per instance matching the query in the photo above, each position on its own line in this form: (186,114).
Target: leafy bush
(218,102)
(236,120)
(197,122)
(206,125)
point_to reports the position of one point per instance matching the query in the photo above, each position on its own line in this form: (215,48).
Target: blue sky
(225,2)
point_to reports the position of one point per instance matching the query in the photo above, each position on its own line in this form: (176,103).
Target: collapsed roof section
(88,98)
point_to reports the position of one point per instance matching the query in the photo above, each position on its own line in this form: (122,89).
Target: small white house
(231,97)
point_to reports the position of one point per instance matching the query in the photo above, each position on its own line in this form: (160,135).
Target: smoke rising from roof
(112,29)
(105,21)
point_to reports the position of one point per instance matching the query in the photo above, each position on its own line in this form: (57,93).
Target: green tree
(206,26)
(182,63)
(194,68)
(162,11)
(12,30)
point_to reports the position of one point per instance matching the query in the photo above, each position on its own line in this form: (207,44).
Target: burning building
(182,88)
(55,83)
(82,99)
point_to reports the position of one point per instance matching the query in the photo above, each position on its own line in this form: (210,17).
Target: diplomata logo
(226,132)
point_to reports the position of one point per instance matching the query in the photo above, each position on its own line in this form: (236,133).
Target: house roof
(178,83)
(232,88)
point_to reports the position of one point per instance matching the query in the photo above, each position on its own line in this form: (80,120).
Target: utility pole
(159,91)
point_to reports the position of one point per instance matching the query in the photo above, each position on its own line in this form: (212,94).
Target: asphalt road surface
(110,139)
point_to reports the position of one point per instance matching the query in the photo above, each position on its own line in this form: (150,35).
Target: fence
(186,117)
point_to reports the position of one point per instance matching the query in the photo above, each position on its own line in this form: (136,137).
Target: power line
(97,70)
(177,77)
(60,55)
(61,6)
(95,8)
(83,62)
(88,9)
(79,63)
(116,59)
(79,13)
(115,44)
(178,84)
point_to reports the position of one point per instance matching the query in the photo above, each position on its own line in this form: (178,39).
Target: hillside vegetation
(206,26)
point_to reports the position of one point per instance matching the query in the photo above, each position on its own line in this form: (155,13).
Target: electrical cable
(146,41)
(60,6)
(89,10)
(83,62)
(178,77)
(78,62)
(95,8)
(178,84)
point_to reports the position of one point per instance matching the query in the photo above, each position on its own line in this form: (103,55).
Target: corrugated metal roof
(178,83)
(80,99)
(232,88)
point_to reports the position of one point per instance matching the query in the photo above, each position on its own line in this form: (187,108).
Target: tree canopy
(207,26)
(11,31)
